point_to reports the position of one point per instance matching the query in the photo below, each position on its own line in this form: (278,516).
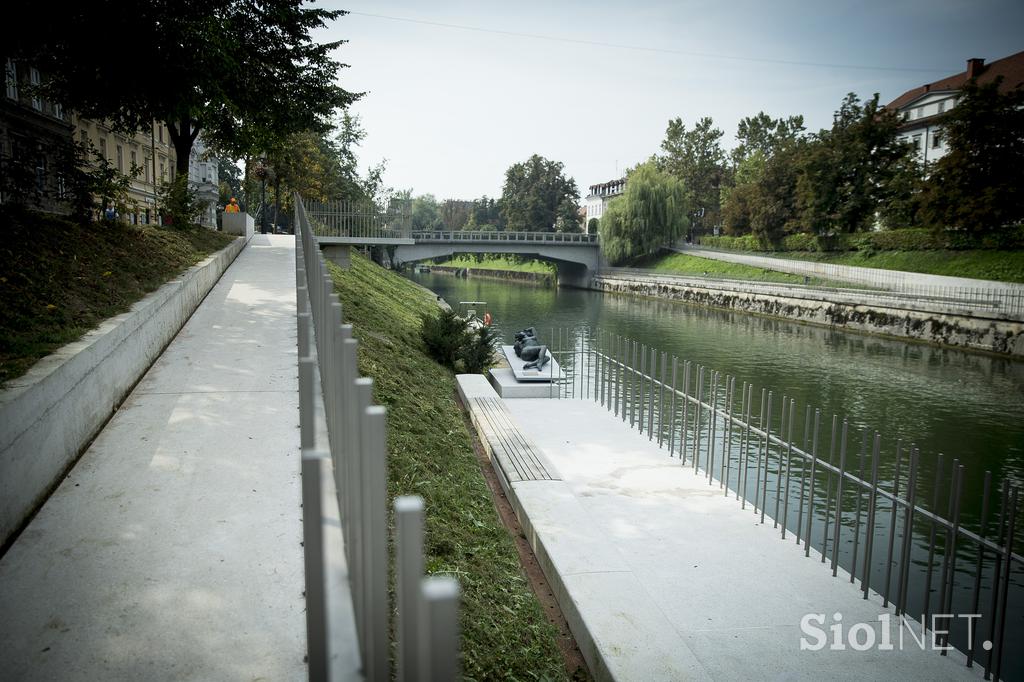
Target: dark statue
(529,348)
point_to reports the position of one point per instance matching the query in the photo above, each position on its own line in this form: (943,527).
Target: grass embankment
(685,264)
(60,279)
(504,632)
(1001,266)
(489,262)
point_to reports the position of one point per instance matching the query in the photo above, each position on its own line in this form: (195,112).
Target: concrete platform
(505,383)
(173,551)
(661,577)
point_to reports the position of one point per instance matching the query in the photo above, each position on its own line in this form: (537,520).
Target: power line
(641,48)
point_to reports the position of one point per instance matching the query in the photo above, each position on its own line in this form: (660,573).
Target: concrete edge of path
(49,415)
(578,562)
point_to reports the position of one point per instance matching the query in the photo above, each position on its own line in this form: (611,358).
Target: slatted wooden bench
(515,456)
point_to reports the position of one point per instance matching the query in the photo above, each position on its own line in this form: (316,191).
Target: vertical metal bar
(650,407)
(839,502)
(408,575)
(632,388)
(1005,591)
(869,536)
(661,401)
(810,497)
(307,426)
(778,476)
(976,595)
(996,571)
(696,417)
(712,424)
(643,392)
(313,559)
(931,536)
(803,475)
(730,399)
(908,530)
(374,444)
(950,536)
(946,602)
(789,464)
(745,445)
(686,407)
(672,419)
(828,487)
(856,522)
(767,443)
(887,590)
(439,630)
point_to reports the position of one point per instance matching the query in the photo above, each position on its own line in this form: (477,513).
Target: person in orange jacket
(232,206)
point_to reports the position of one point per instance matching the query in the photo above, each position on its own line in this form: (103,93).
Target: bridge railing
(902,530)
(521,237)
(344,497)
(360,219)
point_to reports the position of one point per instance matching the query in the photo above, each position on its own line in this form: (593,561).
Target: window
(936,140)
(62,190)
(120,159)
(135,160)
(12,79)
(37,101)
(41,171)
(917,142)
(103,148)
(161,129)
(84,137)
(920,112)
(942,106)
(163,172)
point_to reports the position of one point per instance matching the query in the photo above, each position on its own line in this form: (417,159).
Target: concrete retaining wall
(993,336)
(50,414)
(491,273)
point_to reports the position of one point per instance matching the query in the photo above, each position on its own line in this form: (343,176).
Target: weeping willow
(651,213)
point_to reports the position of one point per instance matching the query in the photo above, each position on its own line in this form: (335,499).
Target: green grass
(493,262)
(60,279)
(685,264)
(1001,266)
(504,632)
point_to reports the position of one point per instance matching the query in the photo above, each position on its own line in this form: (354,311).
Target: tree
(537,197)
(765,135)
(696,157)
(216,66)
(455,213)
(425,214)
(846,169)
(977,187)
(652,212)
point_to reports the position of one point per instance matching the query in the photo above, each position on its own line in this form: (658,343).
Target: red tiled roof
(1010,68)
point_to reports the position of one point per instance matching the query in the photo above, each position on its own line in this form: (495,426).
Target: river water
(967,406)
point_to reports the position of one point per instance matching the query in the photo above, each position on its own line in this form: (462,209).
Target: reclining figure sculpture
(529,348)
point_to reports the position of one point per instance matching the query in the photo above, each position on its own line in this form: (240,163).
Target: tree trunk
(183,134)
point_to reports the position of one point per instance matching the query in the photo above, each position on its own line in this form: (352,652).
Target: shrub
(453,344)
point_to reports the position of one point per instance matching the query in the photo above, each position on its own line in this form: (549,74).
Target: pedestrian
(232,206)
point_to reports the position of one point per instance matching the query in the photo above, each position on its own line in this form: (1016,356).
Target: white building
(922,108)
(601,194)
(202,178)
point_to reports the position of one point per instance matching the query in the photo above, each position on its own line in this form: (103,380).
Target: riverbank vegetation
(60,278)
(685,264)
(505,635)
(499,262)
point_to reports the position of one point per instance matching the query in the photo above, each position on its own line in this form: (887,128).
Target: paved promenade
(670,580)
(172,550)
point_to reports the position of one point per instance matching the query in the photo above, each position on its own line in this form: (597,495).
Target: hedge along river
(967,406)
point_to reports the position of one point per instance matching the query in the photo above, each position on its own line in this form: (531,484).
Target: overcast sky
(593,85)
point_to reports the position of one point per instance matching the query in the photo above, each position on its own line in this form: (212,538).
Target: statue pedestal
(549,372)
(504,382)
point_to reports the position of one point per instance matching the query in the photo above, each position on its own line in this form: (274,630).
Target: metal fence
(901,533)
(360,219)
(521,237)
(1000,304)
(1007,298)
(344,496)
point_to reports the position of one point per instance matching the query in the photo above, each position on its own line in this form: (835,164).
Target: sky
(456,92)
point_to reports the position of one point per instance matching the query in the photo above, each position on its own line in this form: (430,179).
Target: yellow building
(148,150)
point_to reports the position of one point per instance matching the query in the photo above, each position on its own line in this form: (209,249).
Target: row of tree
(855,176)
(536,197)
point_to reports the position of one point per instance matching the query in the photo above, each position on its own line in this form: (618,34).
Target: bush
(453,344)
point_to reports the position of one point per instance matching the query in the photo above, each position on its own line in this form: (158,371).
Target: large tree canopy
(246,74)
(696,157)
(537,197)
(651,213)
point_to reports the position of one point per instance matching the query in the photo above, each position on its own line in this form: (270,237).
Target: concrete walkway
(664,578)
(172,550)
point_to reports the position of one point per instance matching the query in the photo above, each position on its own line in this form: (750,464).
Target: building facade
(35,141)
(147,156)
(601,194)
(921,109)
